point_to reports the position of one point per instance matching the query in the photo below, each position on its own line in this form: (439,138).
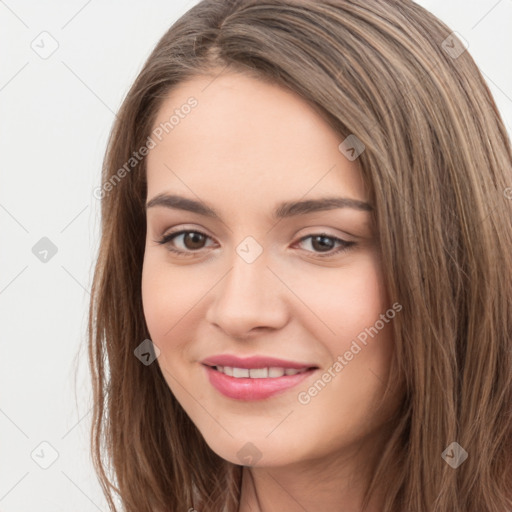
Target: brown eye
(324,245)
(185,241)
(193,240)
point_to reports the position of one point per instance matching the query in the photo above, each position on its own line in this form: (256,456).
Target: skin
(246,147)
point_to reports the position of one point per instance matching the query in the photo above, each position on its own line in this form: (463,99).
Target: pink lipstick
(256,377)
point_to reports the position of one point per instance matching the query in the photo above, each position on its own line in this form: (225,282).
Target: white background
(55,115)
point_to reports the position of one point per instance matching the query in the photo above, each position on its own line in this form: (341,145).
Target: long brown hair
(438,167)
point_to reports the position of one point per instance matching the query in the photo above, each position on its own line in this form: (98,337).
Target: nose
(248,299)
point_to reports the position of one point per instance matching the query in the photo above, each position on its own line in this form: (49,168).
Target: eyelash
(165,240)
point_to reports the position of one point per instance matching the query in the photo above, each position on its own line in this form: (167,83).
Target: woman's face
(274,273)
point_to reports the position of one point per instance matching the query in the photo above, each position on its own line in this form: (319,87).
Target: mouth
(255,378)
(270,372)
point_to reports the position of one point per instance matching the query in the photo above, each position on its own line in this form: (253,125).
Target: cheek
(157,291)
(339,303)
(350,305)
(170,297)
(171,304)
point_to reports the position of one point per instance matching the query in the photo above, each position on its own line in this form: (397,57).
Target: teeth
(257,373)
(240,372)
(276,372)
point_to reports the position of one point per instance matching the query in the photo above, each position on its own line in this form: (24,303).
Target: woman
(303,292)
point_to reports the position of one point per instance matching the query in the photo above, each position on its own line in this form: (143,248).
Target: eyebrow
(283,210)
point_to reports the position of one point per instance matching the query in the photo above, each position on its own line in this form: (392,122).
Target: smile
(257,373)
(255,383)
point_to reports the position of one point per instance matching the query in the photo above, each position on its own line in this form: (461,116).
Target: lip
(254,389)
(254,362)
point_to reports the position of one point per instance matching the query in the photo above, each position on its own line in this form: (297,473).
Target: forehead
(247,135)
